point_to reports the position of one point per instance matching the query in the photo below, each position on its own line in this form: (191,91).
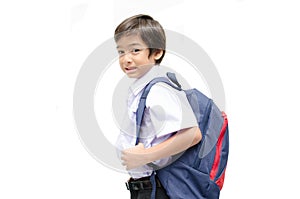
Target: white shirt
(167,111)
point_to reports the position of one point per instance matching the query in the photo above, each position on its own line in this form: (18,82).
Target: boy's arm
(138,156)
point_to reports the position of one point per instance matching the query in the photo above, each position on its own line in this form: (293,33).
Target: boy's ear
(158,53)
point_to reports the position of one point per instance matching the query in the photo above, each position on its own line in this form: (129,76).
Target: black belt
(141,184)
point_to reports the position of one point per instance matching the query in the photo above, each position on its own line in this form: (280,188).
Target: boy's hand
(134,157)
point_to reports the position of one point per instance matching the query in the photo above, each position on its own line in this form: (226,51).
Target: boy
(169,125)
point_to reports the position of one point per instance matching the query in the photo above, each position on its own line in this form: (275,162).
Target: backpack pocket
(183,181)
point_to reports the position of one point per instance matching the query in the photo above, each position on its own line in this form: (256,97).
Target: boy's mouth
(130,69)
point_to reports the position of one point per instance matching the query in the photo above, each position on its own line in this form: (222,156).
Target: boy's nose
(127,58)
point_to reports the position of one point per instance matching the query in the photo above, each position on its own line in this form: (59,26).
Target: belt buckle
(135,186)
(138,185)
(141,185)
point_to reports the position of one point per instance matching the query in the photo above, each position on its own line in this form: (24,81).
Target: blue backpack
(199,172)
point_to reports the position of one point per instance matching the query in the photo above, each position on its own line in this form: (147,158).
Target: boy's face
(134,57)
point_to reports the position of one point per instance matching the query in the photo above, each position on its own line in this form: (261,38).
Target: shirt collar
(140,83)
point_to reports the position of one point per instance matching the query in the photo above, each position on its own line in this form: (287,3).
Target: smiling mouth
(130,69)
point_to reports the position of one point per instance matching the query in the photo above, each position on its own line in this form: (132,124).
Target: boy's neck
(139,83)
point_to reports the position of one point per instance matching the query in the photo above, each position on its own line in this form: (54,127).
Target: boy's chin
(133,75)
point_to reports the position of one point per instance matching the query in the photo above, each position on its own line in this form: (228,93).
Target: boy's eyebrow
(133,44)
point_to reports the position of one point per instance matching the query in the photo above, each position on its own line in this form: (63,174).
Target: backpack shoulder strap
(173,78)
(142,103)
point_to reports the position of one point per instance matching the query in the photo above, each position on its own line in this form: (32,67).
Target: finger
(140,144)
(124,163)
(123,159)
(124,152)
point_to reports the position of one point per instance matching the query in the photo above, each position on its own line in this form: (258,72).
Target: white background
(254,44)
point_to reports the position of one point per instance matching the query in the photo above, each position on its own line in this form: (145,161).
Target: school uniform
(167,111)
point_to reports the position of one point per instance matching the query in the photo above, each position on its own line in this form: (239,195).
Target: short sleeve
(169,110)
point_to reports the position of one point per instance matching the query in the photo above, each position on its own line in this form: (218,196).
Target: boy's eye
(135,50)
(121,52)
